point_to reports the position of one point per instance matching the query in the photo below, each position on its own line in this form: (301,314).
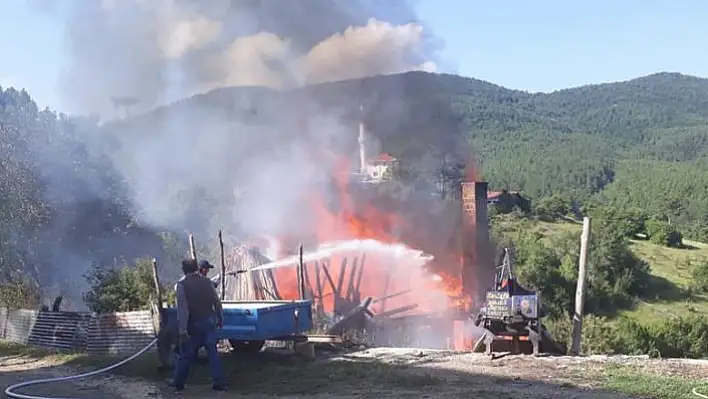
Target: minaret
(362,141)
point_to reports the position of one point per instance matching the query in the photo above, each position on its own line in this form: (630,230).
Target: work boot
(171,384)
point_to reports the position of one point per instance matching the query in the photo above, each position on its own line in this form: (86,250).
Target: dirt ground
(369,373)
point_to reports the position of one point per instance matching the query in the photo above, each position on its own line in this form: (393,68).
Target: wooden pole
(156,281)
(580,290)
(352,281)
(192,248)
(301,275)
(320,293)
(223,266)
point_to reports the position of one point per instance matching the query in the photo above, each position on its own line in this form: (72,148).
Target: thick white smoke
(161,50)
(237,152)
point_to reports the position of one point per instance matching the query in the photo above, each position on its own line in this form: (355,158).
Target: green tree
(551,208)
(629,222)
(615,274)
(122,289)
(663,233)
(538,266)
(19,291)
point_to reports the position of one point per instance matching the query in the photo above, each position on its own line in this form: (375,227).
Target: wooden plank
(325,339)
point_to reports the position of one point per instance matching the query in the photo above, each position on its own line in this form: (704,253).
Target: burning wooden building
(367,260)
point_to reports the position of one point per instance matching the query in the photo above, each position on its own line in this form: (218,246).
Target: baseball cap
(204,264)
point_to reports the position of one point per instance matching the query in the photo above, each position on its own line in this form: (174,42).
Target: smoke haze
(236,160)
(160,50)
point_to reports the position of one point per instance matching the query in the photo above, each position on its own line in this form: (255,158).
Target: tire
(246,347)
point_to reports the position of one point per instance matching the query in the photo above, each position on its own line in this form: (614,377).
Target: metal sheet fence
(115,333)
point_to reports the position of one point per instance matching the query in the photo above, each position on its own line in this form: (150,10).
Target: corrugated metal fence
(114,333)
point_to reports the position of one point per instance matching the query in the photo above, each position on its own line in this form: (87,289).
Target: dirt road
(373,373)
(15,369)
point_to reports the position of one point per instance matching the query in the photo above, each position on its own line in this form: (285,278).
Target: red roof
(493,194)
(384,157)
(496,194)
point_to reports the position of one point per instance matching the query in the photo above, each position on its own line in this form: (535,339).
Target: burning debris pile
(360,268)
(258,285)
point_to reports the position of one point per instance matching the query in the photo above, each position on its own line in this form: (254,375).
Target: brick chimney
(475,237)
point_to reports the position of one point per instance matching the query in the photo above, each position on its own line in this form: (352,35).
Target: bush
(597,337)
(628,222)
(123,289)
(663,233)
(670,338)
(615,274)
(538,267)
(551,208)
(19,292)
(699,274)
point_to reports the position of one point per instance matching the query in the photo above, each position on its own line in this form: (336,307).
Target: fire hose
(700,395)
(9,390)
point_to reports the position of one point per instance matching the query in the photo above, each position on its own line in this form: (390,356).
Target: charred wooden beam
(352,275)
(357,288)
(308,283)
(340,280)
(396,311)
(325,269)
(156,282)
(340,326)
(318,283)
(192,247)
(389,296)
(301,274)
(223,266)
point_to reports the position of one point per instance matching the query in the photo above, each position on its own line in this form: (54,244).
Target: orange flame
(435,288)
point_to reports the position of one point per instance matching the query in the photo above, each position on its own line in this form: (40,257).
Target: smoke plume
(233,158)
(161,50)
(142,53)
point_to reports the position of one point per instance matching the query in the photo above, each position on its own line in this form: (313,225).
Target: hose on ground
(9,391)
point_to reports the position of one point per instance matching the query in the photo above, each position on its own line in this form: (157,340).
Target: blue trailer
(248,324)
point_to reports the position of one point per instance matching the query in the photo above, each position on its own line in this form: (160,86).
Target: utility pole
(580,289)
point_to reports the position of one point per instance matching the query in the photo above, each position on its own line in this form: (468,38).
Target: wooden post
(223,266)
(580,290)
(301,275)
(192,248)
(156,281)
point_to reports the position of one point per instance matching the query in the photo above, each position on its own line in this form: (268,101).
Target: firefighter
(199,316)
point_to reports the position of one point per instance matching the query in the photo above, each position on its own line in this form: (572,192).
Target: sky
(540,45)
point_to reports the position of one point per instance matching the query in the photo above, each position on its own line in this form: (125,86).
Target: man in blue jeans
(199,316)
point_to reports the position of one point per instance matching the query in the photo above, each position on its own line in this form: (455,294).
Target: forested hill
(572,142)
(636,144)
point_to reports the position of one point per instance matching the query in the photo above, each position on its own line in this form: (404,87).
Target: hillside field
(670,271)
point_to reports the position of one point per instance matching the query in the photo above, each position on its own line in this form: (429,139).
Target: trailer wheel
(246,347)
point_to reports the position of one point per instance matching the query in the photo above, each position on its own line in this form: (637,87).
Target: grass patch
(633,382)
(11,349)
